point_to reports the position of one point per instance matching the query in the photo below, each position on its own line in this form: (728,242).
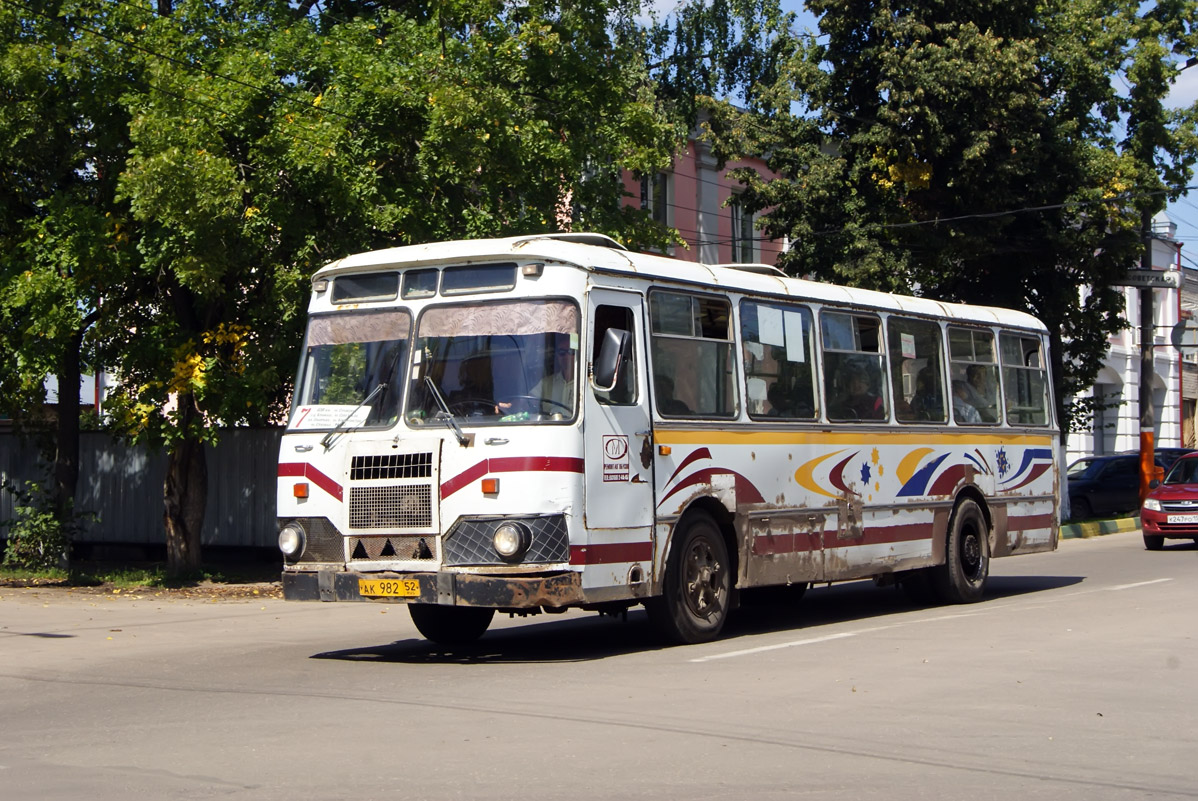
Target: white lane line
(1137,584)
(791,644)
(827,638)
(845,634)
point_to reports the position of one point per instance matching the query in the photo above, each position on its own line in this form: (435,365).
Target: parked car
(1171,509)
(1104,486)
(1165,457)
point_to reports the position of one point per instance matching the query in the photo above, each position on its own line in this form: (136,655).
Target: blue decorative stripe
(918,483)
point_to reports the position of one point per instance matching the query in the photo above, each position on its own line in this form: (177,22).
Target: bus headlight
(511,541)
(291,540)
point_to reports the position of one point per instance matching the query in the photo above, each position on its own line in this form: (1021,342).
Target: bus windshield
(353,370)
(497,363)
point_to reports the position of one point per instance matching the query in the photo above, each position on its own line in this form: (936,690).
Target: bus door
(618,439)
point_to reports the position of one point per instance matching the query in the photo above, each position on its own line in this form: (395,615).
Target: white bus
(550,422)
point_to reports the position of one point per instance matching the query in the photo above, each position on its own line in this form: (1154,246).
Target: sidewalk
(1096,528)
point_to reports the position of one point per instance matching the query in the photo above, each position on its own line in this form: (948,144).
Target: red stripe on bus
(511,464)
(610,553)
(1028,522)
(305,470)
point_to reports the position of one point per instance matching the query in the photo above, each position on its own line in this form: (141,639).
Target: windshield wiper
(337,429)
(445,414)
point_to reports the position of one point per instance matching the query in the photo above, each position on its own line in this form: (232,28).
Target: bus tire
(698,584)
(451,625)
(962,577)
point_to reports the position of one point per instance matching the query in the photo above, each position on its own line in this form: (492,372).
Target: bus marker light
(300,489)
(663,450)
(490,486)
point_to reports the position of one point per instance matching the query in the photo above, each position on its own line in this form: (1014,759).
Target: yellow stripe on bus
(842,438)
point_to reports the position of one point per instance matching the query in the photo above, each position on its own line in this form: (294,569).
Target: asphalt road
(1074,679)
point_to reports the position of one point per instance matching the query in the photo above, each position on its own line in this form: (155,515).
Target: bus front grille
(398,547)
(403,506)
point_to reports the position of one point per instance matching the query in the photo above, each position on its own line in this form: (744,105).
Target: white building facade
(1117,426)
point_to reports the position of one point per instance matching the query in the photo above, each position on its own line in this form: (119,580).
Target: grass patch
(130,576)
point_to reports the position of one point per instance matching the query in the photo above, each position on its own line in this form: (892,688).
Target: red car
(1171,508)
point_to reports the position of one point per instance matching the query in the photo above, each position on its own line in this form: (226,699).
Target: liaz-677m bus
(551,422)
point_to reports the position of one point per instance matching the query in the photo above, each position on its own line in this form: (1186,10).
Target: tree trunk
(66,445)
(185,494)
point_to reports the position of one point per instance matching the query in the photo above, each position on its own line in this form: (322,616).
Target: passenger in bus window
(963,410)
(926,403)
(666,402)
(979,393)
(557,387)
(861,403)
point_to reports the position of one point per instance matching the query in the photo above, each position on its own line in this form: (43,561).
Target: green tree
(266,141)
(65,245)
(971,161)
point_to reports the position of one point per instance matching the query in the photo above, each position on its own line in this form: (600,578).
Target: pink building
(693,197)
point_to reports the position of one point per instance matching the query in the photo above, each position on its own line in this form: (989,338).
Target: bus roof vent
(760,269)
(598,240)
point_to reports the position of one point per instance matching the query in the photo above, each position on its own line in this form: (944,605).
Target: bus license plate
(1182,519)
(389,588)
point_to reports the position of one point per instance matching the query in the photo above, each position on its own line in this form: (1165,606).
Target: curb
(1097,528)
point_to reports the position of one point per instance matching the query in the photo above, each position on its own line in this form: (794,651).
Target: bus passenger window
(618,317)
(916,371)
(1025,382)
(778,353)
(691,349)
(854,378)
(972,363)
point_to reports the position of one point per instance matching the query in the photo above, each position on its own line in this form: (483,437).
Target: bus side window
(618,317)
(916,350)
(778,352)
(854,379)
(692,355)
(1025,380)
(974,375)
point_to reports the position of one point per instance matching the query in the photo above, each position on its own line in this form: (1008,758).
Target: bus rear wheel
(698,584)
(962,577)
(450,625)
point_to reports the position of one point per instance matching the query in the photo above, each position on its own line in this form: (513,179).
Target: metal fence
(122,485)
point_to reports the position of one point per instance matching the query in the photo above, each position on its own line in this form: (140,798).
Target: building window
(742,232)
(655,196)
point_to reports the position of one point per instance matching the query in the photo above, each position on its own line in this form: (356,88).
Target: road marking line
(1137,584)
(826,638)
(845,634)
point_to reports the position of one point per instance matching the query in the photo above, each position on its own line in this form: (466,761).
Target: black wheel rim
(972,556)
(703,586)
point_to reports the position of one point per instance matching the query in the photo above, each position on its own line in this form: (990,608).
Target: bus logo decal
(615,458)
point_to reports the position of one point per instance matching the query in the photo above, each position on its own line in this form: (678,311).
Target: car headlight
(291,540)
(511,541)
(1152,505)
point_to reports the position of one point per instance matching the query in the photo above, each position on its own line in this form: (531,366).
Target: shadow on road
(576,639)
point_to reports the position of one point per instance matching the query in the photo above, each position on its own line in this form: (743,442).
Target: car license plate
(389,588)
(1182,519)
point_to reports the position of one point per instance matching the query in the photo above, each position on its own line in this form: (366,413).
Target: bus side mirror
(611,356)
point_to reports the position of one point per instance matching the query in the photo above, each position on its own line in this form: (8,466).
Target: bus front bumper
(553,590)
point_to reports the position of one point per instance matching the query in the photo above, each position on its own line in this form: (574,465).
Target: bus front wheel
(962,577)
(698,584)
(450,625)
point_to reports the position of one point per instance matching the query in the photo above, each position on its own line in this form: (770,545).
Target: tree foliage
(217,154)
(976,151)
